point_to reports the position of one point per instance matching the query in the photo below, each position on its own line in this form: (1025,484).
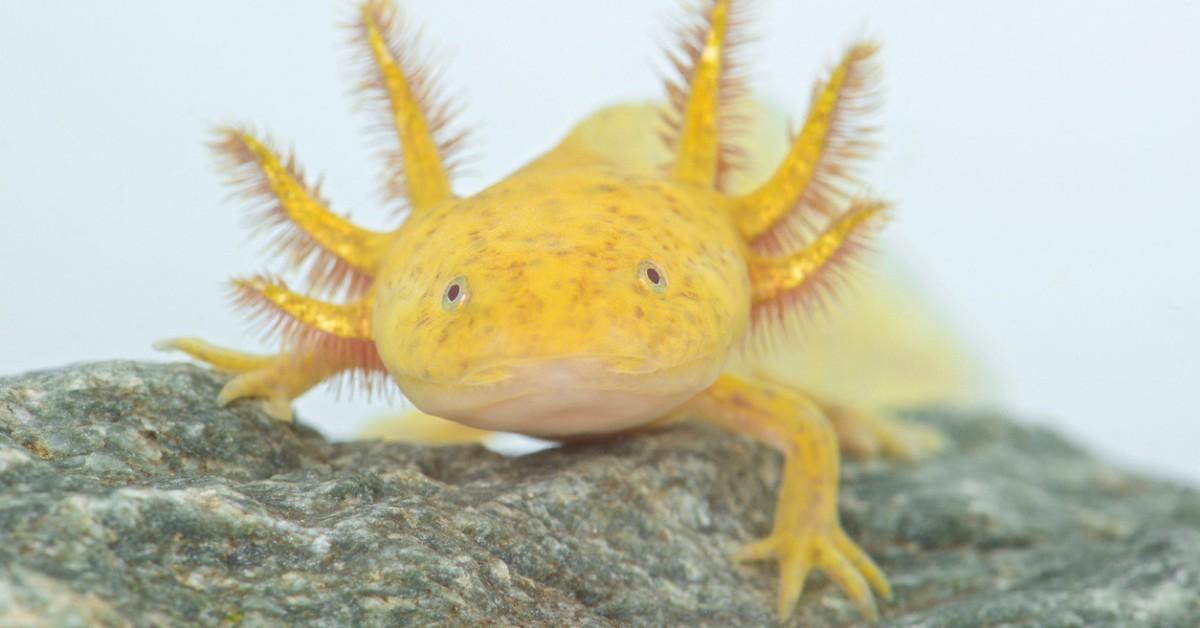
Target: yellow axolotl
(605,287)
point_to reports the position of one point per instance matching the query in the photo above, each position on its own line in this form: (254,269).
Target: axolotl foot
(866,433)
(807,533)
(818,542)
(275,379)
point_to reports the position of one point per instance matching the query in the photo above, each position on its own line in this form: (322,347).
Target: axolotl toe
(601,288)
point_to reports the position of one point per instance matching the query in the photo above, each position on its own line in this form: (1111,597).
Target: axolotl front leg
(807,532)
(276,379)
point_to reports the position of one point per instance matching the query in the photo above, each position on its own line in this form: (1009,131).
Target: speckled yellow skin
(602,288)
(552,256)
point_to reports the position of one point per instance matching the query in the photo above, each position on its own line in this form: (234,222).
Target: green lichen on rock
(128,498)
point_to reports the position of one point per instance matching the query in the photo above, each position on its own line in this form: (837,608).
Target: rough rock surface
(128,498)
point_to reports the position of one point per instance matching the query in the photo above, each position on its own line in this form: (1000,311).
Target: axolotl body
(593,291)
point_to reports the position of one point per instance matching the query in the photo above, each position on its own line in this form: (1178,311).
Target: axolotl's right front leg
(807,533)
(276,379)
(326,339)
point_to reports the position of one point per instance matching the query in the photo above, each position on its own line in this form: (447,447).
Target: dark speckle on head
(565,269)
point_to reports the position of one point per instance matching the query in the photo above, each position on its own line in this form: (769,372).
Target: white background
(1045,157)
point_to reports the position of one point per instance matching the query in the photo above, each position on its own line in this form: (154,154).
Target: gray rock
(128,498)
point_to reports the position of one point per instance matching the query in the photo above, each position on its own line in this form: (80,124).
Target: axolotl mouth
(563,397)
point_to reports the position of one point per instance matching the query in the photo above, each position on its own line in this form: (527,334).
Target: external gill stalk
(405,89)
(302,315)
(702,123)
(812,178)
(346,253)
(696,159)
(776,280)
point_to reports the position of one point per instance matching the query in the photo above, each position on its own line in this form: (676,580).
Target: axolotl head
(562,304)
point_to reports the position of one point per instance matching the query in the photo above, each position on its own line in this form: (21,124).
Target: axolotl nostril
(601,288)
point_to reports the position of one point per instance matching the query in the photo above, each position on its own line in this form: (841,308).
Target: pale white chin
(550,414)
(563,398)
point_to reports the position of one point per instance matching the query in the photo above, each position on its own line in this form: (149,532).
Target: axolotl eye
(652,276)
(455,294)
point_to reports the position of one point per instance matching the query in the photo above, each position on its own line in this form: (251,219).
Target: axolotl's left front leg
(807,533)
